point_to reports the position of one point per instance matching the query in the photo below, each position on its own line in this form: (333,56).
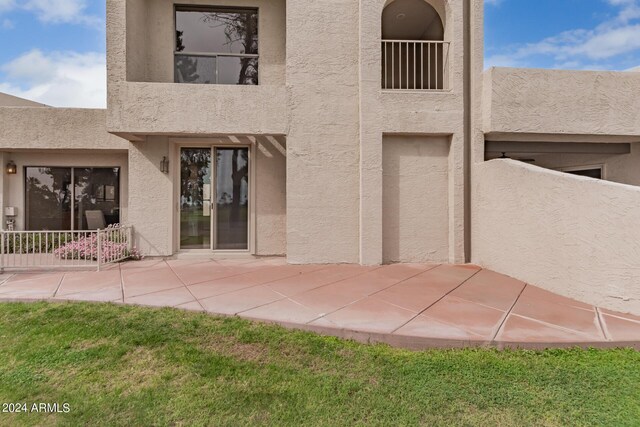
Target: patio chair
(95,220)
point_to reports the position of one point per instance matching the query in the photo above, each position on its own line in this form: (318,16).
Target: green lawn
(119,365)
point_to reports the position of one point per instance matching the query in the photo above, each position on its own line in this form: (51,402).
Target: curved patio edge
(414,343)
(413,306)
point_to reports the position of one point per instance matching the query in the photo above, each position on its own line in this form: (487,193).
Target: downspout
(467,105)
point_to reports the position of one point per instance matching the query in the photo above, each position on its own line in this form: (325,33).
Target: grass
(120,365)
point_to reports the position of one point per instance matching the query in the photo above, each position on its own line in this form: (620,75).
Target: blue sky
(53,51)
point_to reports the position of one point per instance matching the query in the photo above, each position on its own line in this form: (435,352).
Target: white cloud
(55,11)
(7,24)
(60,79)
(583,48)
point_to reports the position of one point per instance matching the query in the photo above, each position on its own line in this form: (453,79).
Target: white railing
(65,249)
(415,65)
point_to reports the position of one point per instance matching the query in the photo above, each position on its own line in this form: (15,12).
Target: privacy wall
(575,236)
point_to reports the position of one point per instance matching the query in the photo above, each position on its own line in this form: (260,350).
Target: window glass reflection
(237,71)
(212,44)
(217,31)
(97,197)
(48,198)
(53,193)
(195,69)
(195,198)
(232,198)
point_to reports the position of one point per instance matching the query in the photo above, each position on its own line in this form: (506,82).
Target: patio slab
(412,305)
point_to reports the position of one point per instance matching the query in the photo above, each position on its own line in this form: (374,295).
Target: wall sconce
(164,165)
(12,169)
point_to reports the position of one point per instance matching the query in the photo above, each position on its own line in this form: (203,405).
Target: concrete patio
(410,305)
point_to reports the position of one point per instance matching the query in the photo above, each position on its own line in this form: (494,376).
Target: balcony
(415,65)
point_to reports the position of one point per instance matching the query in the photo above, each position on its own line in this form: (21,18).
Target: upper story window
(216,45)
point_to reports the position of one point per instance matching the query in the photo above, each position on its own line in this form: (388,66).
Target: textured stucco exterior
(532,101)
(415,199)
(13,101)
(56,129)
(572,235)
(319,87)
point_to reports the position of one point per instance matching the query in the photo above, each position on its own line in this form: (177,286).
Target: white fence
(415,65)
(65,249)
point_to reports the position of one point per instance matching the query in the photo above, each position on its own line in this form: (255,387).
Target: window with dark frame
(58,198)
(216,45)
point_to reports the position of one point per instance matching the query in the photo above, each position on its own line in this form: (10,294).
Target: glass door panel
(195,198)
(232,199)
(48,198)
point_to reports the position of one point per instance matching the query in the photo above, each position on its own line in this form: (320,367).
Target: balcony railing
(65,249)
(415,65)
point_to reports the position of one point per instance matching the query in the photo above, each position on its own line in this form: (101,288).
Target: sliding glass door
(214,198)
(232,199)
(63,198)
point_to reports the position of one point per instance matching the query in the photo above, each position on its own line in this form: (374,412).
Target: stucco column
(370,135)
(323,138)
(456,199)
(151,197)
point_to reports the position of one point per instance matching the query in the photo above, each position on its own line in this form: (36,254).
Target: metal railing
(65,249)
(415,65)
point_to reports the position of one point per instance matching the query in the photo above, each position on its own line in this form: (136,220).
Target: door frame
(176,144)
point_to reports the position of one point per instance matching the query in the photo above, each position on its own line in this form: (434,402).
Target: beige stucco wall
(415,191)
(142,98)
(271,196)
(14,190)
(561,102)
(151,197)
(323,138)
(56,128)
(572,235)
(410,113)
(7,100)
(185,109)
(332,111)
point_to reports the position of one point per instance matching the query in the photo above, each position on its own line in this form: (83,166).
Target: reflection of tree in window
(243,28)
(195,167)
(186,66)
(48,198)
(210,45)
(240,173)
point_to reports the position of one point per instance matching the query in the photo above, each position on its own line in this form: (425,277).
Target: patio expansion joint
(308,290)
(185,286)
(602,324)
(435,302)
(506,315)
(554,326)
(6,279)
(121,282)
(373,295)
(59,284)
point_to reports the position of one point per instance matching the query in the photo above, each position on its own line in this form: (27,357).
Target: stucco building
(340,132)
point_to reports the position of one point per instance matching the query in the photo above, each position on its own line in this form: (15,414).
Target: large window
(58,198)
(216,45)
